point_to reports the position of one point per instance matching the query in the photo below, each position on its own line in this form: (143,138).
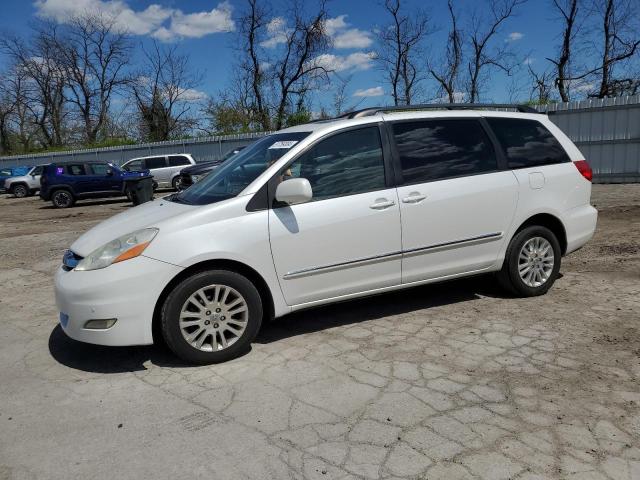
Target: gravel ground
(448,381)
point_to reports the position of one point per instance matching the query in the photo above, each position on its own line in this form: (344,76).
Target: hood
(148,214)
(19,178)
(200,168)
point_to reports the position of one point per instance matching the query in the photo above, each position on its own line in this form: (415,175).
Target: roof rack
(366,112)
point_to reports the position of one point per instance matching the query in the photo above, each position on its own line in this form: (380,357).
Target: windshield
(239,171)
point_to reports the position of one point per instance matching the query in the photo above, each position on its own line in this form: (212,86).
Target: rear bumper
(126,291)
(580,224)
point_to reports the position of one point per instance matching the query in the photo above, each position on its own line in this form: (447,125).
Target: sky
(206,31)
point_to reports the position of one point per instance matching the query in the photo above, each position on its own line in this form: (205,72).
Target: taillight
(584,169)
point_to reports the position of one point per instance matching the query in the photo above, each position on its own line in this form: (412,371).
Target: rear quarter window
(178,161)
(527,143)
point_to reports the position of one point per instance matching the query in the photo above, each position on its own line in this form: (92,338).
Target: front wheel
(211,317)
(20,191)
(175,183)
(62,199)
(532,262)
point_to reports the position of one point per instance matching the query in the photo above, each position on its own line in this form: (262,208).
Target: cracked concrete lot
(451,381)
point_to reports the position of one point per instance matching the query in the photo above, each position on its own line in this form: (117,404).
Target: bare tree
(7,108)
(93,53)
(252,24)
(399,53)
(295,69)
(620,42)
(541,86)
(568,10)
(485,55)
(45,89)
(447,75)
(164,92)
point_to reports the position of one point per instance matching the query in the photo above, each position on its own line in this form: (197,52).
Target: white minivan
(376,200)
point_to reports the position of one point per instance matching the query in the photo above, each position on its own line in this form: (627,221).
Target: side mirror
(109,172)
(294,191)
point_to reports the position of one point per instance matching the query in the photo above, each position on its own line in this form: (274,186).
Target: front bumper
(127,291)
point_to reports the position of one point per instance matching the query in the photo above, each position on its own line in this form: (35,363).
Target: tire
(210,329)
(175,183)
(536,252)
(20,190)
(62,199)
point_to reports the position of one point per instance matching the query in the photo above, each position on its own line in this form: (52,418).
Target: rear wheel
(175,183)
(20,190)
(211,317)
(532,262)
(62,199)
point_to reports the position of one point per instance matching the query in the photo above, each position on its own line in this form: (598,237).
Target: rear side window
(437,149)
(527,143)
(178,161)
(155,162)
(347,163)
(99,169)
(134,166)
(76,170)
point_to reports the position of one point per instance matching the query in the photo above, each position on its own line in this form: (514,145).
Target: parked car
(64,183)
(164,168)
(374,201)
(9,172)
(195,173)
(25,185)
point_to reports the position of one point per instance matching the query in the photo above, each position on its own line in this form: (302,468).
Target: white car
(371,202)
(25,185)
(164,168)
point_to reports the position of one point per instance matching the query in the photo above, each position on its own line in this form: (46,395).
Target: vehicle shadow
(90,203)
(380,306)
(101,359)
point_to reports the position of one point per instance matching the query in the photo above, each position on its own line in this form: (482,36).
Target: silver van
(164,168)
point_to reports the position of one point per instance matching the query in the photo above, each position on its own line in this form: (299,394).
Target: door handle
(414,197)
(381,204)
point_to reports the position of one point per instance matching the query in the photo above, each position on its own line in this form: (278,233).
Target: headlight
(195,178)
(122,248)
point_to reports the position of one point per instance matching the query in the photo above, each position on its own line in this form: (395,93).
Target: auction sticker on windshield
(283,144)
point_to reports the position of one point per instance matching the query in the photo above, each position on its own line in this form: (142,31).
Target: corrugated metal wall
(202,149)
(607,132)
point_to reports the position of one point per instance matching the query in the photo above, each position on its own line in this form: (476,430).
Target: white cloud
(277,32)
(514,37)
(192,95)
(529,61)
(458,97)
(203,23)
(333,25)
(344,37)
(160,22)
(369,92)
(340,63)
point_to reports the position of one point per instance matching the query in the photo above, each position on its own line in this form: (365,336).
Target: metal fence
(203,149)
(606,131)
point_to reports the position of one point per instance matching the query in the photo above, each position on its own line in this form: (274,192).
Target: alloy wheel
(213,318)
(536,261)
(20,191)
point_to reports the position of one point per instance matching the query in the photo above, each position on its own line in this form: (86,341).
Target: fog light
(100,324)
